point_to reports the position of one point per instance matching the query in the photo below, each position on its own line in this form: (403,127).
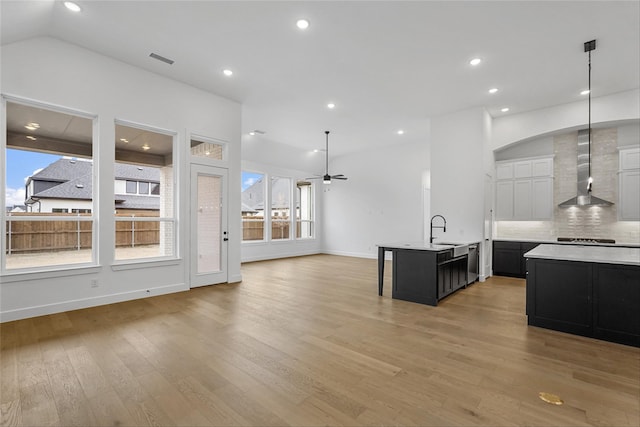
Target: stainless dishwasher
(473,264)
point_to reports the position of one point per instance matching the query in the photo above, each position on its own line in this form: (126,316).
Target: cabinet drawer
(499,244)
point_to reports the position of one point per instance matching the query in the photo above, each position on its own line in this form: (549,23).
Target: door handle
(225,239)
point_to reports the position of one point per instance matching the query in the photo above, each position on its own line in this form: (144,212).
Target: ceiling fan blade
(314,177)
(342,177)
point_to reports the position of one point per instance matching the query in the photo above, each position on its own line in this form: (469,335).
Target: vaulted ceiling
(386,65)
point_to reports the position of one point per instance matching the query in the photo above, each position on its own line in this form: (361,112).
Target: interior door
(208,225)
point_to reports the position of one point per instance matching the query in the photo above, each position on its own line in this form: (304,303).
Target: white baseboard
(278,256)
(41,310)
(235,278)
(352,254)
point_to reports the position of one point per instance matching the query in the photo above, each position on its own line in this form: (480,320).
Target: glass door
(208,244)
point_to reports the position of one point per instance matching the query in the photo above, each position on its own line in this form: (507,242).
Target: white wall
(458,145)
(54,72)
(381,202)
(513,128)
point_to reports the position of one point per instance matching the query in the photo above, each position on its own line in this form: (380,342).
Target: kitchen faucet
(444,227)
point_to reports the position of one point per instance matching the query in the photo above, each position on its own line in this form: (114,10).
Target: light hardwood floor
(307,341)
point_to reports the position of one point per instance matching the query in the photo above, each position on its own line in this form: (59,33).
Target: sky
(20,165)
(249,178)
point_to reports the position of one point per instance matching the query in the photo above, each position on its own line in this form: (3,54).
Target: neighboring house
(253,198)
(16,209)
(65,186)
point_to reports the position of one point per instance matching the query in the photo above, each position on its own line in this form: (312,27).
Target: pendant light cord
(327,151)
(590,183)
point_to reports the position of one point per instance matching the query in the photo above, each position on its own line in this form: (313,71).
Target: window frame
(174,220)
(292,219)
(265,222)
(312,221)
(5,217)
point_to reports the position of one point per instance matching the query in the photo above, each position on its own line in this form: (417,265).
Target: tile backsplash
(582,222)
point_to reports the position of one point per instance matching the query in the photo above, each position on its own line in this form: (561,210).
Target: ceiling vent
(162,58)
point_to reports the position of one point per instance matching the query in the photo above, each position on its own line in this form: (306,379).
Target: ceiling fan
(326,178)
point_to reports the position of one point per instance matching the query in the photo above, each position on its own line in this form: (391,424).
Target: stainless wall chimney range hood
(585,181)
(584,197)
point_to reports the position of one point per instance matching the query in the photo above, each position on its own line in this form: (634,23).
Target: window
(145,223)
(132,187)
(143,188)
(253,191)
(49,173)
(304,210)
(202,147)
(280,208)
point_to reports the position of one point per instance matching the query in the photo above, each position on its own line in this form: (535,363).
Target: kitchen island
(592,291)
(424,272)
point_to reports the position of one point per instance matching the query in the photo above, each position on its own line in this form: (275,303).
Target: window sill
(144,263)
(28,274)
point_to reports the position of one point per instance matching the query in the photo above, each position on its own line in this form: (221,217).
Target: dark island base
(588,299)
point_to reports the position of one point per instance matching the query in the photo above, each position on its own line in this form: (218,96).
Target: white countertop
(600,254)
(420,246)
(424,246)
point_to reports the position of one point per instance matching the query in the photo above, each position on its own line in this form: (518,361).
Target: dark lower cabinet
(589,299)
(508,258)
(452,275)
(559,296)
(427,276)
(616,305)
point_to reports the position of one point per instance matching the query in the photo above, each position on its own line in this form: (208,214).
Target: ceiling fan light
(326,179)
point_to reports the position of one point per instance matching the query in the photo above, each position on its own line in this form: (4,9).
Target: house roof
(79,188)
(137,202)
(136,172)
(75,182)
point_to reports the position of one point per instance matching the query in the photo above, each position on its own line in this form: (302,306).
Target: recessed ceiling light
(125,140)
(475,61)
(146,147)
(32,126)
(227,72)
(400,132)
(72,6)
(505,109)
(32,138)
(585,92)
(331,105)
(493,90)
(302,24)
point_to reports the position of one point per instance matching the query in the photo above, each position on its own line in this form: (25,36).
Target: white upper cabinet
(522,169)
(524,189)
(542,167)
(504,200)
(522,199)
(629,190)
(504,171)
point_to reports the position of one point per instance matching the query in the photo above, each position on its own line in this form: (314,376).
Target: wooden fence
(25,236)
(253,229)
